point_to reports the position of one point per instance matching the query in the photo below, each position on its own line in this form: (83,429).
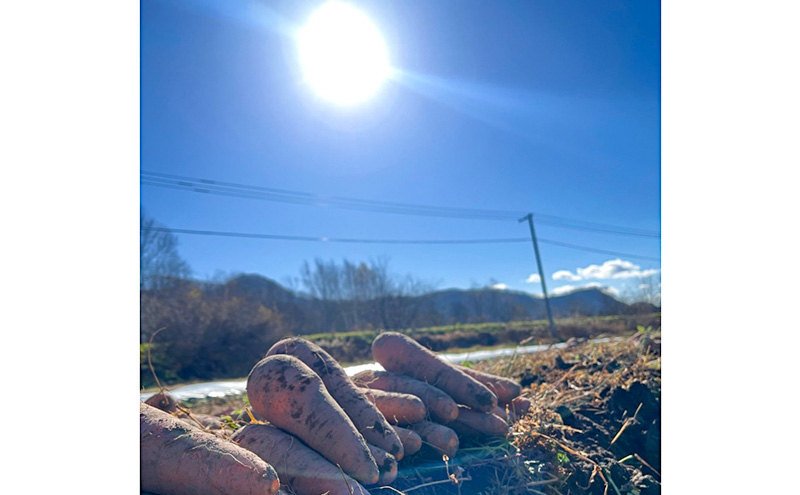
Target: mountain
(504,305)
(306,314)
(260,288)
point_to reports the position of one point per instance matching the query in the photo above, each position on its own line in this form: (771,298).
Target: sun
(342,53)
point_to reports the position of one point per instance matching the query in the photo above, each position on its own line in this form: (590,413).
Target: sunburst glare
(343,55)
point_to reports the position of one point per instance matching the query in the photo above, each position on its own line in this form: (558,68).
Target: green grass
(355,346)
(369,335)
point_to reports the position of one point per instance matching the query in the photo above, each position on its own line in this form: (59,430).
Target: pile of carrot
(317,431)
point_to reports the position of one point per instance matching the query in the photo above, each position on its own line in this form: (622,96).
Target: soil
(597,415)
(594,427)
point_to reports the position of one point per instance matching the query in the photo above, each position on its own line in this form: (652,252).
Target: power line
(297,197)
(337,239)
(231,189)
(326,202)
(602,251)
(590,227)
(348,240)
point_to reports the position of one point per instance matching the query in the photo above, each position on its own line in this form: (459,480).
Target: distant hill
(307,314)
(257,287)
(503,305)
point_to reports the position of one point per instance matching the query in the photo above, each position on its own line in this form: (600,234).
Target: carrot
(471,423)
(500,412)
(299,467)
(177,458)
(163,400)
(210,422)
(520,406)
(504,388)
(441,406)
(397,408)
(368,420)
(166,402)
(403,355)
(411,441)
(387,465)
(288,394)
(441,438)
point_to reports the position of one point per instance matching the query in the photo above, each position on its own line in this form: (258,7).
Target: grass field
(355,347)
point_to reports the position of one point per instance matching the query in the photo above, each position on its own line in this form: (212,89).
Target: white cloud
(565,275)
(609,270)
(498,287)
(533,278)
(566,289)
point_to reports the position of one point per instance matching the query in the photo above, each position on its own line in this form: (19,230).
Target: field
(354,347)
(595,427)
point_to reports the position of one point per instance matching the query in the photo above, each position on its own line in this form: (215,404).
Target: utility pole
(529,217)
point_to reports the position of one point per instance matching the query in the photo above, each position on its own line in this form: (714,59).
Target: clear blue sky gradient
(544,106)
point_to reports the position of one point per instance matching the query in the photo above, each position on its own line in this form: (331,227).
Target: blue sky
(544,106)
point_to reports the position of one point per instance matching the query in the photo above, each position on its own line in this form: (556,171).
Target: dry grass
(579,377)
(542,452)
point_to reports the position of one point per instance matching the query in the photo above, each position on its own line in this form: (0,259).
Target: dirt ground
(596,419)
(594,427)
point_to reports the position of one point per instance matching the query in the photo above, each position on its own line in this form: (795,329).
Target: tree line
(206,330)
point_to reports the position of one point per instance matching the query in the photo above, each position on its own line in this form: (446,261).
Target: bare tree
(323,282)
(408,306)
(645,289)
(363,294)
(160,266)
(358,284)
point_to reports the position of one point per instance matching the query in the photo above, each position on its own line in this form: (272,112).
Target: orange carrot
(441,438)
(368,419)
(403,355)
(504,388)
(177,458)
(520,406)
(163,400)
(500,412)
(471,423)
(387,465)
(442,407)
(288,394)
(397,408)
(299,467)
(411,441)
